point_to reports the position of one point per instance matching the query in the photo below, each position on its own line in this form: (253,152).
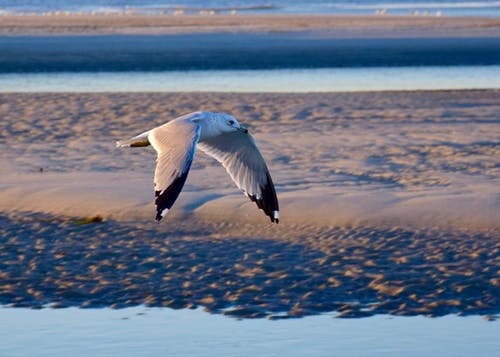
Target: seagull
(218,135)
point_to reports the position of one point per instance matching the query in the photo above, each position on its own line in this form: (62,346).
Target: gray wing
(175,143)
(239,154)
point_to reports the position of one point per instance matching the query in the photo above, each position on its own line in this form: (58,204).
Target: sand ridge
(414,158)
(350,25)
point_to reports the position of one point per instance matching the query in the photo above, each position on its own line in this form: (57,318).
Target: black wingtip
(268,202)
(158,218)
(165,199)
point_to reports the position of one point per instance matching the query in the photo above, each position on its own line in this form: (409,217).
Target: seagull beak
(243,129)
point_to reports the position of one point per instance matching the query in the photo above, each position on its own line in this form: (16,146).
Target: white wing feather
(238,153)
(175,143)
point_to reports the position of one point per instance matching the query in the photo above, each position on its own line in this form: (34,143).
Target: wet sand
(245,271)
(389,205)
(223,51)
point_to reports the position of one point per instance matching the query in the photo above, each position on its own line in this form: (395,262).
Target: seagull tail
(136,141)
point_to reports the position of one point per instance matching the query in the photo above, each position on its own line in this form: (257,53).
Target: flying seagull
(218,135)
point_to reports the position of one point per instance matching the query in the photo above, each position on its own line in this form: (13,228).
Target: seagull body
(218,135)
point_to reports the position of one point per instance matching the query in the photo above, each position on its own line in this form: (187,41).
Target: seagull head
(229,124)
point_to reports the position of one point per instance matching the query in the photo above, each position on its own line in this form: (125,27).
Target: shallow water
(286,80)
(152,332)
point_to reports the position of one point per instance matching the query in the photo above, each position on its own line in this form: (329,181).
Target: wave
(417,5)
(216,8)
(138,9)
(467,7)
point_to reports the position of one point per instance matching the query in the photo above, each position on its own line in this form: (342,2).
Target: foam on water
(447,7)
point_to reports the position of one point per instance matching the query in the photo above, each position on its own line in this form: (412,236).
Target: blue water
(285,80)
(430,7)
(165,332)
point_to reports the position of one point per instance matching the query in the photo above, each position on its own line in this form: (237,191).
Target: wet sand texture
(225,51)
(245,272)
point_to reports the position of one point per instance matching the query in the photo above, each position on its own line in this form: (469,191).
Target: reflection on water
(155,332)
(289,80)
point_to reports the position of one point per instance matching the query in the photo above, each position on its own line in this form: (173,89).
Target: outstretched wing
(175,143)
(239,154)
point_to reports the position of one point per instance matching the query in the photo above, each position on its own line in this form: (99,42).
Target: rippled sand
(243,270)
(389,205)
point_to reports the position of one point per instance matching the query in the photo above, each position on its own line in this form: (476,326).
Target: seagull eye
(231,122)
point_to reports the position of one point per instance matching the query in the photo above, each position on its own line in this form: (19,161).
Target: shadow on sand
(356,271)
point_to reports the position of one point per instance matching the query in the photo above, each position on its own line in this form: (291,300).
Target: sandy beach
(352,25)
(388,199)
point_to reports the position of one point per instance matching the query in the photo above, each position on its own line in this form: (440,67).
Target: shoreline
(189,42)
(235,269)
(365,26)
